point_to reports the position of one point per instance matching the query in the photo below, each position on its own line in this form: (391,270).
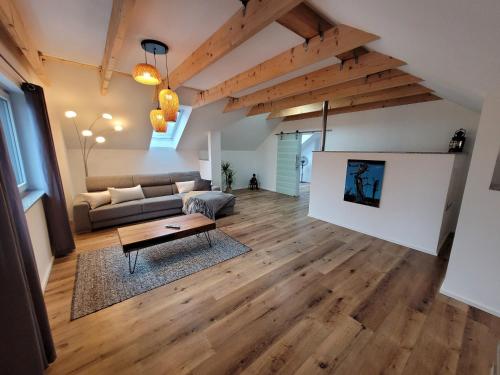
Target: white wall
(243,163)
(205,169)
(39,235)
(312,144)
(266,156)
(120,162)
(473,274)
(215,157)
(423,127)
(414,193)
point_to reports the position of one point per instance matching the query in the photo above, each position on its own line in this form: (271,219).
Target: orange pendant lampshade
(146,74)
(169,103)
(157,117)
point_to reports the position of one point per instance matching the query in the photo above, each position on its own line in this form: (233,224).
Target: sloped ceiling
(452,44)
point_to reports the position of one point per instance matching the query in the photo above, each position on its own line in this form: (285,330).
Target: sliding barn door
(288,165)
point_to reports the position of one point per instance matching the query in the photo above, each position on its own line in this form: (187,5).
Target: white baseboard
(470,302)
(44,279)
(398,242)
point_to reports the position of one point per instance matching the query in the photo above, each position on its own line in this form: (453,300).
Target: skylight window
(171,138)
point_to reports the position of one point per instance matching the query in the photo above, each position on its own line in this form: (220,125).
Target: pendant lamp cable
(166,64)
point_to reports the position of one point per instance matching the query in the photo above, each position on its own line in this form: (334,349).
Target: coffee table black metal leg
(207,235)
(130,267)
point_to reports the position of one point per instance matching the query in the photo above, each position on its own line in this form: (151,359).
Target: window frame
(11,128)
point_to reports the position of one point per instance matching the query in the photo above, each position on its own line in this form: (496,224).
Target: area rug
(103,279)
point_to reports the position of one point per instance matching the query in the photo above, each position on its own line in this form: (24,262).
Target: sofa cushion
(126,194)
(166,202)
(183,176)
(152,179)
(97,199)
(100,183)
(185,186)
(157,191)
(202,185)
(113,211)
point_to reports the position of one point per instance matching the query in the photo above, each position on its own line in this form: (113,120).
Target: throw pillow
(126,194)
(185,187)
(96,199)
(202,185)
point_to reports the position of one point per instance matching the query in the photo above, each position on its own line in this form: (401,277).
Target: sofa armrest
(81,217)
(215,188)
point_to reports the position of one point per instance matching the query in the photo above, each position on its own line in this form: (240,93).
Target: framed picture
(363,181)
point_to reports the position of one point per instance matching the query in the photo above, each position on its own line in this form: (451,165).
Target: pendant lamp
(145,73)
(157,117)
(169,101)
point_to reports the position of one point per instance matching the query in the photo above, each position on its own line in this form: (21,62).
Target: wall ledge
(31,197)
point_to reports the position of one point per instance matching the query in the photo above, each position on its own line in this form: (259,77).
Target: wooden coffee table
(135,237)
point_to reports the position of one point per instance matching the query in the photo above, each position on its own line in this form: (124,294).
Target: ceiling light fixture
(157,117)
(107,116)
(158,122)
(169,101)
(145,73)
(87,133)
(70,114)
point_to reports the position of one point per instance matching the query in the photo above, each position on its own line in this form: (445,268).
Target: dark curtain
(26,345)
(61,238)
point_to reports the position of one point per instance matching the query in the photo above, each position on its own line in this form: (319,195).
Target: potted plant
(228,175)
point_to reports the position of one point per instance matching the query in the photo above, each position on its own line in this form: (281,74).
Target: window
(9,130)
(171,138)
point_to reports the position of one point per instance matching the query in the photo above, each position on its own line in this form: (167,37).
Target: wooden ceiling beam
(305,21)
(368,106)
(117,27)
(13,23)
(377,96)
(370,63)
(244,24)
(379,81)
(335,41)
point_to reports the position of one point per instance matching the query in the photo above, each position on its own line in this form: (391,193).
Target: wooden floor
(311,298)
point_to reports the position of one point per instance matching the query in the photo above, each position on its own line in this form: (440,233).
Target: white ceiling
(70,29)
(451,44)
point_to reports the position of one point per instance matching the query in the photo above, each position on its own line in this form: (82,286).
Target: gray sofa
(162,199)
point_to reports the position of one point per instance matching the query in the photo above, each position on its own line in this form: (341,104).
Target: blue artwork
(363,181)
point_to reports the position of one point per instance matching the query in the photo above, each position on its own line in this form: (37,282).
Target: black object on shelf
(457,141)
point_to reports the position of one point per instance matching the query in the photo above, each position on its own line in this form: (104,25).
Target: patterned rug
(103,278)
